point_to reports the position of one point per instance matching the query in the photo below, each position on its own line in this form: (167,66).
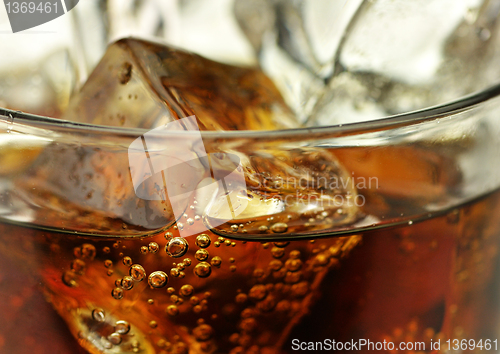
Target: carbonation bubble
(293,264)
(158,279)
(241,298)
(117,293)
(257,292)
(78,266)
(275,264)
(69,278)
(201,255)
(170,290)
(127,261)
(168,235)
(216,261)
(279,227)
(172,310)
(108,263)
(106,249)
(234,228)
(190,221)
(122,327)
(186,290)
(202,241)
(177,247)
(232,268)
(98,315)
(202,269)
(263,228)
(174,272)
(203,332)
(115,338)
(88,251)
(281,244)
(137,272)
(295,254)
(127,282)
(144,249)
(153,324)
(187,262)
(153,247)
(194,300)
(277,252)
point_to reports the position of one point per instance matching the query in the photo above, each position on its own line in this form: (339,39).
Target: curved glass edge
(379,124)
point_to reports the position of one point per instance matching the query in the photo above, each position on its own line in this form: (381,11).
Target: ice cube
(394,59)
(145,84)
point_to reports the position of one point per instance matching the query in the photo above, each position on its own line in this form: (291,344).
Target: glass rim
(459,105)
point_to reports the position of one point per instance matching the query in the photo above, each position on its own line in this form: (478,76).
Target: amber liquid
(434,279)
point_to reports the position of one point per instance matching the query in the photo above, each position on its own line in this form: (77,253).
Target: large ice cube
(145,84)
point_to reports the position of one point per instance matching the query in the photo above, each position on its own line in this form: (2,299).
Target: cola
(293,270)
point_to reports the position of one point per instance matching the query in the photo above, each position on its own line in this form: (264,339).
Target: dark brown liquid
(436,279)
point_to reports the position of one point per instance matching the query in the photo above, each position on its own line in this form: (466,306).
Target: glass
(390,237)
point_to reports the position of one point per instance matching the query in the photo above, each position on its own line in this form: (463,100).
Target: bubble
(187,262)
(127,261)
(172,310)
(181,266)
(263,228)
(108,263)
(234,228)
(241,298)
(227,242)
(98,315)
(153,324)
(293,277)
(277,252)
(300,289)
(275,264)
(77,252)
(293,264)
(186,290)
(232,268)
(202,241)
(190,221)
(279,227)
(122,327)
(158,279)
(201,255)
(295,254)
(281,244)
(202,269)
(109,272)
(88,251)
(78,266)
(127,282)
(137,272)
(168,235)
(106,249)
(257,292)
(153,247)
(117,293)
(174,272)
(203,332)
(177,247)
(216,261)
(194,300)
(115,338)
(69,278)
(144,249)
(248,324)
(216,244)
(151,301)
